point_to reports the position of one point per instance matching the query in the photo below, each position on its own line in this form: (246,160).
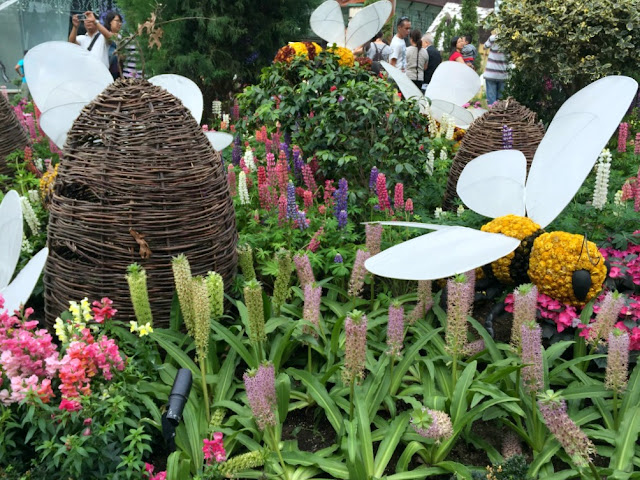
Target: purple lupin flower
(292,207)
(260,385)
(617,361)
(507,137)
(311,310)
(356,282)
(525,306)
(337,258)
(340,196)
(303,269)
(373,177)
(236,153)
(460,293)
(342,219)
(355,347)
(284,148)
(302,220)
(532,374)
(298,162)
(287,137)
(395,330)
(373,232)
(573,440)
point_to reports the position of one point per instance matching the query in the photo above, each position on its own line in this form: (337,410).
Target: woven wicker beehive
(138,182)
(12,135)
(485,135)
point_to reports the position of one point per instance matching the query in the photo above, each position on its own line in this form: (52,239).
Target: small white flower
(248,160)
(438,212)
(430,163)
(243,192)
(443,155)
(460,210)
(30,216)
(617,198)
(603,168)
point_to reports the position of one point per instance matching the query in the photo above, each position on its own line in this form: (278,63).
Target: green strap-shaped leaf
(333,467)
(459,401)
(319,393)
(364,430)
(626,440)
(389,444)
(225,378)
(235,343)
(409,359)
(166,342)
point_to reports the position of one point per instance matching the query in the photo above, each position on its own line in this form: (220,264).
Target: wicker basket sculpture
(486,135)
(12,135)
(138,182)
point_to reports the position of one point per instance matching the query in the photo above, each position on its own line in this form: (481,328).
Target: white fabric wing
(19,291)
(56,122)
(453,82)
(462,117)
(183,88)
(327,22)
(426,226)
(493,184)
(366,23)
(441,254)
(66,69)
(219,140)
(406,86)
(574,139)
(11,236)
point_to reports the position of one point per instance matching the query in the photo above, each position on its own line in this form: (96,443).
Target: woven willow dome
(485,135)
(138,182)
(12,135)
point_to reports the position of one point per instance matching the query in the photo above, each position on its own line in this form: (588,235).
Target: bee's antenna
(584,244)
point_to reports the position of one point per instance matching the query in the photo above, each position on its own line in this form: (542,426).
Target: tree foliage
(560,46)
(218,40)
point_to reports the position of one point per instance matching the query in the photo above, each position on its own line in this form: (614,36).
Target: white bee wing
(11,237)
(453,82)
(493,184)
(477,112)
(327,22)
(366,23)
(62,72)
(426,226)
(183,88)
(406,86)
(219,140)
(462,117)
(19,291)
(56,122)
(574,139)
(441,254)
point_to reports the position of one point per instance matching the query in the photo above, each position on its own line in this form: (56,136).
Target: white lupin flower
(603,167)
(29,215)
(433,127)
(33,196)
(226,118)
(617,198)
(438,212)
(243,192)
(248,160)
(216,107)
(430,163)
(26,246)
(443,155)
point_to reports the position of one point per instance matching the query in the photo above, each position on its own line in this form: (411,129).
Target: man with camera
(97,38)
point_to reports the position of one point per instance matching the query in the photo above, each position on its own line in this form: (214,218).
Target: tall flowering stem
(577,445)
(283,278)
(303,269)
(532,374)
(525,303)
(245,260)
(182,278)
(255,307)
(202,320)
(356,282)
(137,280)
(215,288)
(395,333)
(460,290)
(617,367)
(623,133)
(373,232)
(355,327)
(603,168)
(605,320)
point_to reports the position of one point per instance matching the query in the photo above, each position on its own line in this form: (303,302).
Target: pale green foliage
(572,42)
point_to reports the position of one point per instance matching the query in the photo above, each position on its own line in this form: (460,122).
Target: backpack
(377,57)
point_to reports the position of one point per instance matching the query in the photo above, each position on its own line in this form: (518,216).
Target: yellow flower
(134,326)
(60,329)
(345,56)
(145,329)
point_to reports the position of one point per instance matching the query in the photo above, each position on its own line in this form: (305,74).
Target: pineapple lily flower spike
(18,291)
(496,185)
(64,78)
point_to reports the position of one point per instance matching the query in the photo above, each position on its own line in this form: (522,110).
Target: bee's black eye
(581,281)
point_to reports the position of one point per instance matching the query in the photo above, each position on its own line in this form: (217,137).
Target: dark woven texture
(485,135)
(138,182)
(12,135)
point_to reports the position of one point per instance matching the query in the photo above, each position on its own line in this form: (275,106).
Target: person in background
(435,58)
(24,88)
(113,23)
(495,73)
(96,40)
(398,57)
(378,50)
(469,51)
(417,59)
(456,50)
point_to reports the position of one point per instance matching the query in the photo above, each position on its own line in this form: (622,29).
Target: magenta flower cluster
(214,449)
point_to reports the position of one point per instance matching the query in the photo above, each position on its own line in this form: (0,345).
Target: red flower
(333,88)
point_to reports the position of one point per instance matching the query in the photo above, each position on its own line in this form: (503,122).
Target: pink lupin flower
(623,133)
(282,209)
(525,306)
(636,200)
(314,244)
(395,330)
(303,269)
(532,374)
(328,193)
(460,292)
(261,393)
(307,197)
(355,348)
(373,232)
(356,282)
(617,361)
(307,176)
(636,148)
(383,195)
(573,440)
(408,206)
(282,174)
(311,310)
(398,197)
(231,178)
